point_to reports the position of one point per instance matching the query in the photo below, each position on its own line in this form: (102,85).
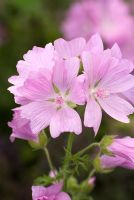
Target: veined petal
(95,44)
(76,93)
(54,189)
(38,191)
(64,72)
(21,128)
(68,49)
(39,114)
(37,86)
(95,65)
(93,115)
(117,108)
(116,52)
(65,120)
(63,196)
(121,84)
(129,95)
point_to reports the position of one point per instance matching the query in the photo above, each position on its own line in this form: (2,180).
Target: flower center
(59,100)
(99,93)
(102,93)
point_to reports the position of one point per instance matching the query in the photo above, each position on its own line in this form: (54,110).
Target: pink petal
(38,191)
(129,95)
(63,196)
(93,115)
(95,44)
(64,72)
(111,161)
(40,57)
(54,189)
(116,52)
(76,93)
(68,49)
(37,86)
(117,108)
(96,65)
(21,128)
(39,114)
(121,84)
(65,120)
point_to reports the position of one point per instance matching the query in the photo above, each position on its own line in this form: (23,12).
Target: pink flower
(52,96)
(21,128)
(106,75)
(92,180)
(87,17)
(52,192)
(34,60)
(123,154)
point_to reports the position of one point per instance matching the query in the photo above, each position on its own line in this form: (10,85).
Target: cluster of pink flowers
(52,81)
(112,19)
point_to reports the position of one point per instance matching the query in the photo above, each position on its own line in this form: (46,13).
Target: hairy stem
(87,148)
(49,159)
(68,151)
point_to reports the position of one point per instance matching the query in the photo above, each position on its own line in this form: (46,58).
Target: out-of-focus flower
(53,173)
(53,192)
(106,75)
(92,180)
(21,128)
(112,19)
(123,154)
(52,97)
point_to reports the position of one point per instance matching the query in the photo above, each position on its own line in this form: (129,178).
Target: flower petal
(121,84)
(21,128)
(68,49)
(64,72)
(54,189)
(63,196)
(38,86)
(95,44)
(39,114)
(93,115)
(129,95)
(38,191)
(116,52)
(116,107)
(65,120)
(76,93)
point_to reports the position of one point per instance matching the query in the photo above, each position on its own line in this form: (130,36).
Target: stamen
(59,100)
(102,93)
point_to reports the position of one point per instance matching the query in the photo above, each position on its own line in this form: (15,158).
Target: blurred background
(28,23)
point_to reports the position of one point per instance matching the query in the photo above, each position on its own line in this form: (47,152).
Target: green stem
(49,159)
(87,148)
(91,173)
(68,151)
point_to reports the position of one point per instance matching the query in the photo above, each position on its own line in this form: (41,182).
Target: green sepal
(41,143)
(56,89)
(72,184)
(71,104)
(105,142)
(97,165)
